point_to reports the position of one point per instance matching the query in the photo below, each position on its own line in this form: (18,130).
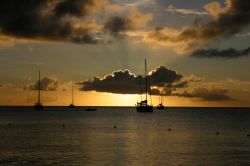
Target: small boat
(143,106)
(90,109)
(160,106)
(38,106)
(72,97)
(71,106)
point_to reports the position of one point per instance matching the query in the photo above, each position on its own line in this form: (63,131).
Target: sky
(197,51)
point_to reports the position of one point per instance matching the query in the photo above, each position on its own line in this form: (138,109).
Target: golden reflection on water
(168,137)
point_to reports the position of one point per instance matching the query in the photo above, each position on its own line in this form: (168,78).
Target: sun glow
(106,99)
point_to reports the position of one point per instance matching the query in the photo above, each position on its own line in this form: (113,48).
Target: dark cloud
(66,20)
(116,25)
(162,81)
(84,36)
(168,88)
(213,94)
(73,7)
(214,53)
(162,75)
(46,84)
(225,23)
(125,82)
(45,20)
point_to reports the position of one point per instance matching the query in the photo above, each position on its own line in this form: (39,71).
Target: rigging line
(39,88)
(140,86)
(72,93)
(150,94)
(148,80)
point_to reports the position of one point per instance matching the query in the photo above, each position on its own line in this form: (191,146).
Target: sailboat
(143,106)
(38,106)
(72,95)
(90,109)
(160,106)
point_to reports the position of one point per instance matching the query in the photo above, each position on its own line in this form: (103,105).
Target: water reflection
(89,138)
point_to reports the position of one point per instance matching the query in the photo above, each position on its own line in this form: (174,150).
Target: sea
(121,136)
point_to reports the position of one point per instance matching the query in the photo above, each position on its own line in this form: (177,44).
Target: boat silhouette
(160,106)
(72,98)
(90,109)
(38,106)
(143,106)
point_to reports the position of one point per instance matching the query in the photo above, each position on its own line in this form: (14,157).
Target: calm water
(89,138)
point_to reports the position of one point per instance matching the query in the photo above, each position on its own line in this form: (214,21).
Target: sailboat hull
(38,107)
(71,106)
(160,107)
(91,109)
(144,108)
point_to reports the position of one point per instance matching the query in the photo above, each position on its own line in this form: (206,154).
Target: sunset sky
(197,51)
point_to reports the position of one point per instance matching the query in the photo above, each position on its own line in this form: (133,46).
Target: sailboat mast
(146,79)
(140,87)
(39,88)
(72,94)
(161,98)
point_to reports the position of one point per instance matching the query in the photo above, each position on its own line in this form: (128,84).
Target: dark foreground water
(89,138)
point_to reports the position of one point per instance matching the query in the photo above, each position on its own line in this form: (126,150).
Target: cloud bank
(125,82)
(162,81)
(215,53)
(47,20)
(225,23)
(100,21)
(207,94)
(66,20)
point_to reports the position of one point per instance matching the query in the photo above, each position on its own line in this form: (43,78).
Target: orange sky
(197,49)
(100,99)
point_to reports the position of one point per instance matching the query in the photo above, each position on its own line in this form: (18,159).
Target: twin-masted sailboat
(143,105)
(38,106)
